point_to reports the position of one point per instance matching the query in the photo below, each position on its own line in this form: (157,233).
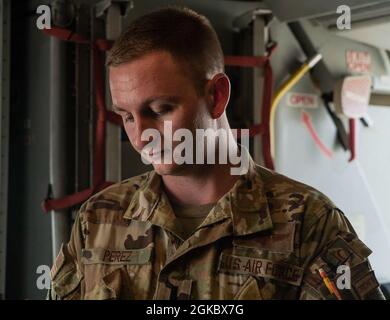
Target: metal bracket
(247,18)
(103,5)
(63,13)
(4,135)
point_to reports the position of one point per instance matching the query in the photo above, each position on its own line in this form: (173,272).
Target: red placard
(305,100)
(358,61)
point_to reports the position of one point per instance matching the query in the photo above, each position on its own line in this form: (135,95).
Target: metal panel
(28,238)
(4,131)
(58,141)
(287,10)
(83,157)
(358,188)
(113,134)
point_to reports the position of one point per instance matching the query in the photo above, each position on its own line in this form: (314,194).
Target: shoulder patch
(279,239)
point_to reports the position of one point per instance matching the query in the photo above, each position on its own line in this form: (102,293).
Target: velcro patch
(280,239)
(359,270)
(116,257)
(366,284)
(261,267)
(341,251)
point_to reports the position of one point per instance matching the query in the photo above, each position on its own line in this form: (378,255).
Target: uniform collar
(245,204)
(249,205)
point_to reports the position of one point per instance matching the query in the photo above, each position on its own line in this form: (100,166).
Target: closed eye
(161,110)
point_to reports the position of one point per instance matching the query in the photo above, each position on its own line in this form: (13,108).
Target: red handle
(352,139)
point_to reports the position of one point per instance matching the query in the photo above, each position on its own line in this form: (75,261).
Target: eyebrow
(147,102)
(117,109)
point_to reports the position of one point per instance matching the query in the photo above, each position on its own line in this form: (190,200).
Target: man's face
(153,89)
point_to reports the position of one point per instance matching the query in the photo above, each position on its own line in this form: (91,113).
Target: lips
(153,155)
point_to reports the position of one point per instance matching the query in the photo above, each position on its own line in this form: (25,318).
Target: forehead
(156,73)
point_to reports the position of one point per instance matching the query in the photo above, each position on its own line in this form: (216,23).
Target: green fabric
(190,217)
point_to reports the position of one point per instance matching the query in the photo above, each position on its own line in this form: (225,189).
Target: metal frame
(59,132)
(113,133)
(83,95)
(5,15)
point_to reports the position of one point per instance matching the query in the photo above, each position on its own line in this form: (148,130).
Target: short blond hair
(184,33)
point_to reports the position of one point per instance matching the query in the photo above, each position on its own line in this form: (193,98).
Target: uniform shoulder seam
(124,190)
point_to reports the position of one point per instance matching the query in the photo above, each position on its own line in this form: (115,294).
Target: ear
(219,93)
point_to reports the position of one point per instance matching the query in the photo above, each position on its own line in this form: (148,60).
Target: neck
(206,184)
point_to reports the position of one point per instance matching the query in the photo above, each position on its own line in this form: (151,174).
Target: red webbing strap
(266,109)
(103,44)
(66,35)
(245,61)
(114,118)
(253,131)
(100,134)
(73,199)
(264,128)
(306,119)
(69,35)
(352,139)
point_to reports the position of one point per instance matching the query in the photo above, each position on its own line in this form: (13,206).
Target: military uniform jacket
(266,238)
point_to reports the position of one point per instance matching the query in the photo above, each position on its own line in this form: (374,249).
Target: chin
(168,169)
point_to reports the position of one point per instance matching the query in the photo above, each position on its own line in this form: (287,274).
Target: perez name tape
(283,272)
(112,256)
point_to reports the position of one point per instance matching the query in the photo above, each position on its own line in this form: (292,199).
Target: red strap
(73,199)
(114,118)
(352,138)
(66,35)
(103,44)
(100,134)
(69,35)
(266,108)
(245,61)
(266,114)
(253,131)
(309,125)
(264,127)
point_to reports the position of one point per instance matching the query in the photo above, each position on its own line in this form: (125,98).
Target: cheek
(186,119)
(200,116)
(130,134)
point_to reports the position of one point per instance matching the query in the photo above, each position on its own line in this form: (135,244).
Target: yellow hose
(286,86)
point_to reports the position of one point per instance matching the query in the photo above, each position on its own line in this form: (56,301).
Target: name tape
(261,267)
(109,256)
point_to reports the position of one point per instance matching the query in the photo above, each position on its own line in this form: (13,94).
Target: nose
(140,125)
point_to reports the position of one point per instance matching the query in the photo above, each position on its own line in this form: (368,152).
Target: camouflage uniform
(265,239)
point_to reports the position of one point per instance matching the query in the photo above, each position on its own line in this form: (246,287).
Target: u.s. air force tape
(261,267)
(116,256)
